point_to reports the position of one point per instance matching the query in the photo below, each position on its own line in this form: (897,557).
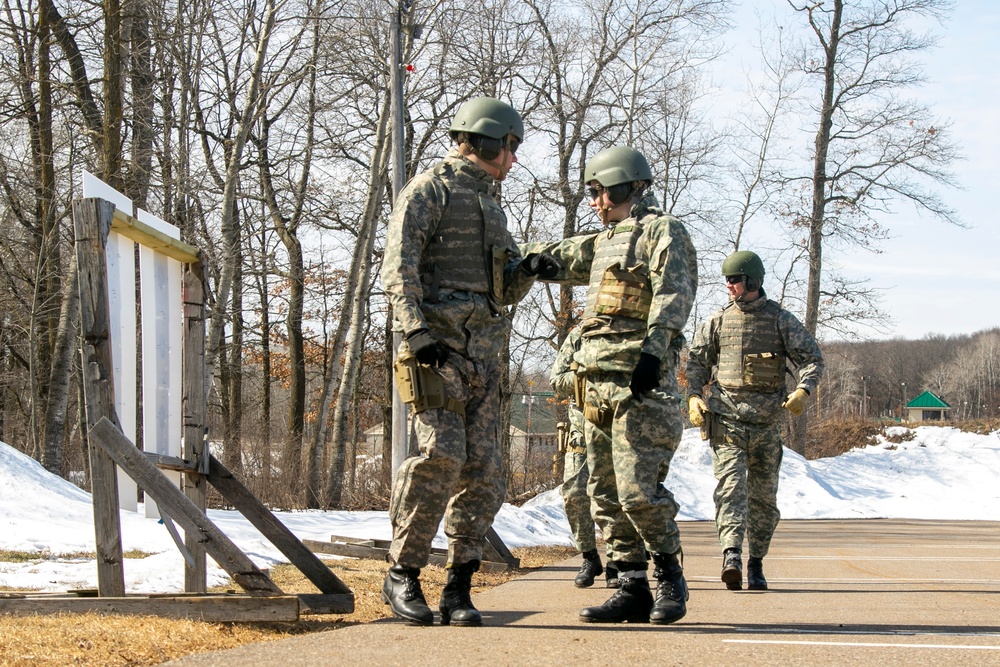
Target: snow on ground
(941,473)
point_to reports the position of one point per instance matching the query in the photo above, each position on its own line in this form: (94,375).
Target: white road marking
(964,647)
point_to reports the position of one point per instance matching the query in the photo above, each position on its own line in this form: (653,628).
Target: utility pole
(399,421)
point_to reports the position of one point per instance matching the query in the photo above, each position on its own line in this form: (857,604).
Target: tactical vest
(751,352)
(619,278)
(468,250)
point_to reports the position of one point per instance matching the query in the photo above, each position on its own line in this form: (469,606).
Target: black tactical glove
(646,375)
(543,265)
(427,349)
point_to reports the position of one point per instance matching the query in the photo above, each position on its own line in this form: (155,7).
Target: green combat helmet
(488,117)
(616,166)
(743,263)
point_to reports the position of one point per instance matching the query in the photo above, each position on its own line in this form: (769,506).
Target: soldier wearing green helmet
(451,270)
(741,354)
(641,274)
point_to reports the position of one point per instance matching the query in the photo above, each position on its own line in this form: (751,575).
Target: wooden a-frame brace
(109,446)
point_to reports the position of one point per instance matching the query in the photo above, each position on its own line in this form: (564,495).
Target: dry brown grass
(113,641)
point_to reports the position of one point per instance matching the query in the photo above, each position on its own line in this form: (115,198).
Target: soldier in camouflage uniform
(450,269)
(642,275)
(741,353)
(576,474)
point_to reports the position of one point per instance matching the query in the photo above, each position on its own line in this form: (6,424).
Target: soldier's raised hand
(543,265)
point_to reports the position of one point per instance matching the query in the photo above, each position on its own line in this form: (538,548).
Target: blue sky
(935,277)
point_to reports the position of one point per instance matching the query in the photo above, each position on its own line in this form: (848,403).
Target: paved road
(867,592)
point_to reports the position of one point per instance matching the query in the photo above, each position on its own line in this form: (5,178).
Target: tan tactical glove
(796,402)
(696,410)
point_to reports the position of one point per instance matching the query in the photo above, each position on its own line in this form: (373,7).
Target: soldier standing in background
(450,269)
(642,275)
(741,354)
(576,501)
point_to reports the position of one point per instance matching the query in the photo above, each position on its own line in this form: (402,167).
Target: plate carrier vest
(751,351)
(469,249)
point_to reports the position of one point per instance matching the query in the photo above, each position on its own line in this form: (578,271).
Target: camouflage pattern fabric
(628,460)
(630,455)
(576,502)
(456,471)
(746,460)
(576,474)
(746,440)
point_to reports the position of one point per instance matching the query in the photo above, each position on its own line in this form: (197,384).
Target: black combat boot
(611,576)
(732,569)
(456,602)
(755,574)
(401,591)
(590,568)
(631,602)
(671,590)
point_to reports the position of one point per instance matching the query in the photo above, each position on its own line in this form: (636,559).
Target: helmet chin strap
(603,212)
(499,163)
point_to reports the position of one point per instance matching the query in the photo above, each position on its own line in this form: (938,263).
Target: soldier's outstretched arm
(575,254)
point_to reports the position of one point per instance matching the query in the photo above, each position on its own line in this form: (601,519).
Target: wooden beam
(182,510)
(211,608)
(494,542)
(194,409)
(141,233)
(313,603)
(91,221)
(256,513)
(167,462)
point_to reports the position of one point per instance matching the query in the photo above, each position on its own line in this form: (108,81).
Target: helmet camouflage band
(488,117)
(743,263)
(617,165)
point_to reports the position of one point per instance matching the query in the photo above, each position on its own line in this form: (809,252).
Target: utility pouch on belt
(562,443)
(422,388)
(764,371)
(601,416)
(579,385)
(624,293)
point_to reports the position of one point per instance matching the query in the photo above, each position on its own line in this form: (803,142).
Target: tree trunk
(54,427)
(359,287)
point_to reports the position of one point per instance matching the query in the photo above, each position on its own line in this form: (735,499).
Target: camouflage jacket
(464,321)
(562,376)
(562,379)
(673,277)
(746,404)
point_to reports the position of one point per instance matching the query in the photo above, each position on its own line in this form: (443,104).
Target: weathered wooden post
(194,408)
(91,223)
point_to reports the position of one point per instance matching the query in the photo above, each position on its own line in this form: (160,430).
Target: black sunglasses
(734,280)
(594,193)
(513,144)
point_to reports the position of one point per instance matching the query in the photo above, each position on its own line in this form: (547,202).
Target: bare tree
(872,147)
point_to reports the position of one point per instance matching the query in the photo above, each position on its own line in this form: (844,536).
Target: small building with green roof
(927,406)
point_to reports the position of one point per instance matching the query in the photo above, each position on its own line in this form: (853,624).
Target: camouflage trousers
(746,459)
(629,456)
(577,503)
(457,474)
